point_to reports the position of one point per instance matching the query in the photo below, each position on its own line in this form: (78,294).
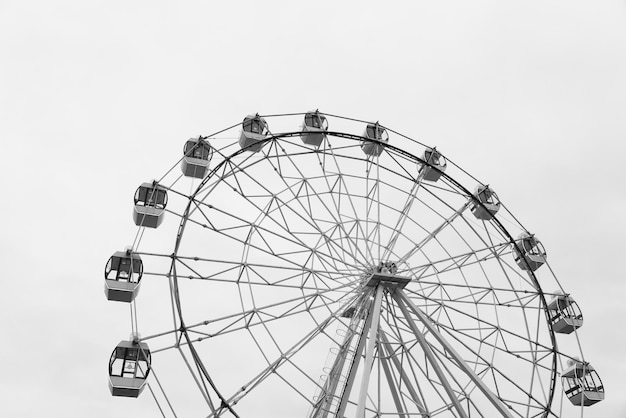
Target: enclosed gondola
(197,154)
(129,368)
(434,164)
(565,315)
(528,252)
(150,203)
(376,137)
(254,133)
(486,204)
(582,384)
(314,127)
(122,276)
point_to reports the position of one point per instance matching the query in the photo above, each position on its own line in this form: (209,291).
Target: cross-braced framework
(325,281)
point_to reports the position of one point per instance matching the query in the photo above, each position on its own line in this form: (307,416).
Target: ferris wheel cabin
(582,384)
(314,127)
(129,368)
(254,132)
(565,315)
(435,164)
(486,204)
(196,157)
(376,137)
(150,203)
(532,255)
(122,275)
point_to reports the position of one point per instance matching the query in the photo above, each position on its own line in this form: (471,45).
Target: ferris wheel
(306,271)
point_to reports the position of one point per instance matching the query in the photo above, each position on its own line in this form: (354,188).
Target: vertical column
(369,352)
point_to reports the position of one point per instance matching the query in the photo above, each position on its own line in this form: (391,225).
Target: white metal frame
(296,232)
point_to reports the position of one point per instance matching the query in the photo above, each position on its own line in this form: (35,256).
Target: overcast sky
(99,96)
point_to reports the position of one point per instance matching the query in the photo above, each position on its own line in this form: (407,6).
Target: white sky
(97,97)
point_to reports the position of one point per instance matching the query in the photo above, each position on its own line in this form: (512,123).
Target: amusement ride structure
(311,272)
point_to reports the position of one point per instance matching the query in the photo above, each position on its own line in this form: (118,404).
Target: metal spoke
(404,214)
(434,233)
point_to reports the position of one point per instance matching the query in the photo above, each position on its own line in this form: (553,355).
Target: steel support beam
(369,353)
(402,299)
(403,376)
(345,395)
(324,406)
(395,389)
(430,356)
